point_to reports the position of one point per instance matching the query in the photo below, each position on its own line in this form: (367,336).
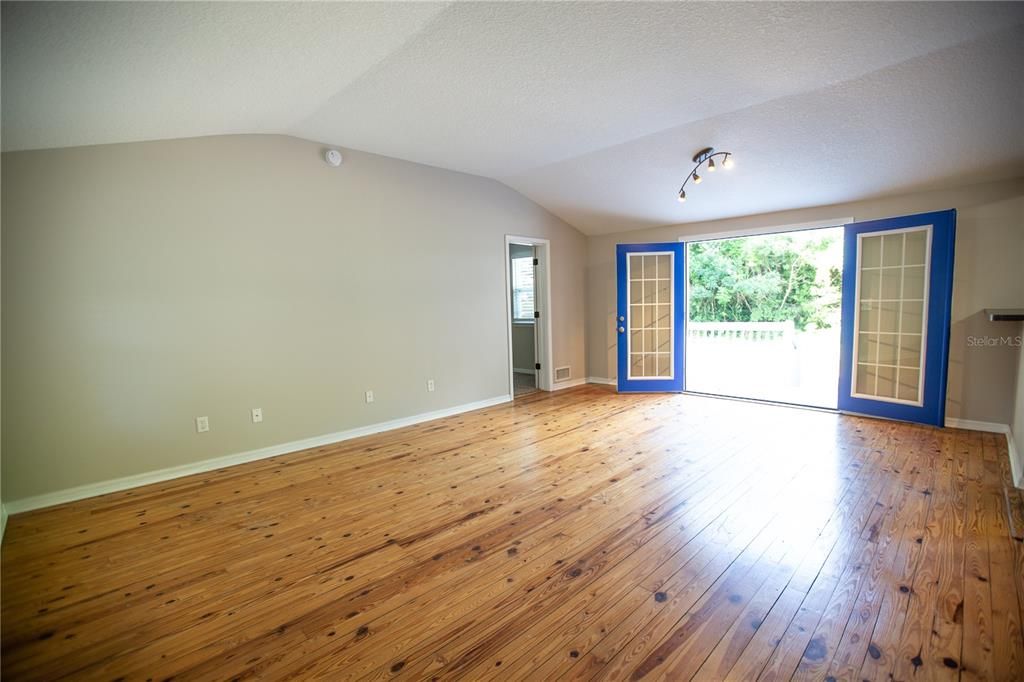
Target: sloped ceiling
(592,110)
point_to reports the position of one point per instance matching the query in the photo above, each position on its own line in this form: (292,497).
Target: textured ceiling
(592,110)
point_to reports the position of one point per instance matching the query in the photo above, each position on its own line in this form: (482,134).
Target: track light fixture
(707,154)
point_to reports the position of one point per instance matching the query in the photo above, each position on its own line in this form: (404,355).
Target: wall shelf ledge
(1005,314)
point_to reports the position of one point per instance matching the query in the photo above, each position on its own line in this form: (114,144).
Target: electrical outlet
(369,396)
(257,415)
(202,424)
(430,385)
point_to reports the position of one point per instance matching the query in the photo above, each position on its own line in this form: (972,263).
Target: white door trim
(770,229)
(542,331)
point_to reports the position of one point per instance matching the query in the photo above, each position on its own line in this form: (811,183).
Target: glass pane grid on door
(890,328)
(650,315)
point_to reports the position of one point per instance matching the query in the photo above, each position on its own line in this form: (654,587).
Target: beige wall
(989,272)
(3,509)
(145,284)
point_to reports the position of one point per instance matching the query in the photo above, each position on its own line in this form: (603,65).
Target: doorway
(764,316)
(522,265)
(895,305)
(527,262)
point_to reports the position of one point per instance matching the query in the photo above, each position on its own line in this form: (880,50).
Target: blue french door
(897,293)
(649,323)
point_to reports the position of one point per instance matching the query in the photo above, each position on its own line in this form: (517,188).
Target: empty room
(512,341)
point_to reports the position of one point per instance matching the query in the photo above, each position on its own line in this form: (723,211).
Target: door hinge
(536,262)
(536,314)
(537,366)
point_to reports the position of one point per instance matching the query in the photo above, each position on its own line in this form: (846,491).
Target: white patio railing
(743,331)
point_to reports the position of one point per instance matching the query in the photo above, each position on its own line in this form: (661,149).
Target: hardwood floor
(579,535)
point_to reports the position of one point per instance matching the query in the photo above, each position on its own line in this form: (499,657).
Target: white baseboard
(1016,464)
(602,380)
(558,386)
(973,425)
(1016,461)
(118,484)
(531,372)
(3,521)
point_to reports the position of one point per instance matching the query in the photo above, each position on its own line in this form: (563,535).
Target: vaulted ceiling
(593,110)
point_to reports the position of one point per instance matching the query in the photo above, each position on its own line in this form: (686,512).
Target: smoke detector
(333,157)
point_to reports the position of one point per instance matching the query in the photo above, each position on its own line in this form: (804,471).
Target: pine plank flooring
(577,535)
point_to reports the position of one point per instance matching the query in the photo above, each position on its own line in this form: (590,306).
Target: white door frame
(542,292)
(737,234)
(765,229)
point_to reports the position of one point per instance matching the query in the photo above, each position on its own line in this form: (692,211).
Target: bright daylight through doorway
(764,316)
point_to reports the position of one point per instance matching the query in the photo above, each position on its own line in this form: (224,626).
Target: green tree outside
(771,278)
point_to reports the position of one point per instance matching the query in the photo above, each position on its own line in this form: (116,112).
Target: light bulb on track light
(712,160)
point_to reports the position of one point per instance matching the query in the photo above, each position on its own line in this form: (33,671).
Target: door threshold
(762,401)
